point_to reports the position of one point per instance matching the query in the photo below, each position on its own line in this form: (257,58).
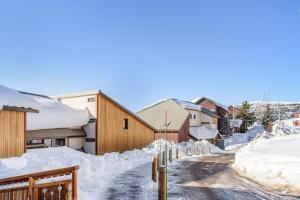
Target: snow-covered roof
(12,98)
(202,132)
(212,101)
(188,105)
(54,114)
(236,123)
(77,94)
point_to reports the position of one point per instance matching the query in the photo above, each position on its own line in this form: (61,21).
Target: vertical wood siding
(112,137)
(12,133)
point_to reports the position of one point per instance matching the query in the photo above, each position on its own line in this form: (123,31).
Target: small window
(92,99)
(194,116)
(191,116)
(125,125)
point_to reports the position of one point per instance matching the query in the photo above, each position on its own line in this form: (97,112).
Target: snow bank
(237,140)
(12,98)
(202,147)
(272,160)
(202,132)
(54,114)
(95,173)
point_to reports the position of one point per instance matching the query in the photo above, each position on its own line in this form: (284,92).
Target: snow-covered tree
(267,117)
(247,116)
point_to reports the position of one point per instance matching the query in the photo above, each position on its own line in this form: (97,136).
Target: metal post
(170,155)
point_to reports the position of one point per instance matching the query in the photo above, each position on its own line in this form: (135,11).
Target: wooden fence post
(154,170)
(74,184)
(30,188)
(162,184)
(177,153)
(170,155)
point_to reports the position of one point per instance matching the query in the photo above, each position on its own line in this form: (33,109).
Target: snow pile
(272,160)
(202,148)
(95,172)
(202,132)
(54,114)
(238,140)
(12,98)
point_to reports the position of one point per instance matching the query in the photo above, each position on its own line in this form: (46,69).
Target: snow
(202,132)
(237,140)
(188,105)
(54,114)
(95,172)
(236,123)
(273,160)
(12,98)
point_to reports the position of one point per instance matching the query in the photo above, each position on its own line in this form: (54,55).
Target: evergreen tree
(267,117)
(247,116)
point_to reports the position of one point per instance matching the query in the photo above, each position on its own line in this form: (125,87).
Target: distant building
(217,108)
(186,120)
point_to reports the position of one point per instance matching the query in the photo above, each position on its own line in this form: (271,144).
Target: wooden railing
(58,184)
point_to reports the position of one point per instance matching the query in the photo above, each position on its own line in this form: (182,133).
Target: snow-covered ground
(273,160)
(96,173)
(237,140)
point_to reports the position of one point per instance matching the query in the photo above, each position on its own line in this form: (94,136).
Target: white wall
(90,129)
(75,143)
(82,102)
(201,117)
(197,121)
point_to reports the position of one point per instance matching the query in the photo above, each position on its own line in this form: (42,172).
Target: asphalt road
(213,178)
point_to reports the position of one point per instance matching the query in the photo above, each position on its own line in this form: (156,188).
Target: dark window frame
(125,124)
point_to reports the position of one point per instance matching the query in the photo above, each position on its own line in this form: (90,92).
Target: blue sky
(141,51)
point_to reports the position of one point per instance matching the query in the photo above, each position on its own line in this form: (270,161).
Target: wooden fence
(58,184)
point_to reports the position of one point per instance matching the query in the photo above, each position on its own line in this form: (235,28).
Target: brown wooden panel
(112,137)
(12,133)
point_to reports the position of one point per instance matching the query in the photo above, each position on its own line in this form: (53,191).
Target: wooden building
(112,127)
(13,108)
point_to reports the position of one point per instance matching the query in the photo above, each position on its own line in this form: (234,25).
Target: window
(92,99)
(125,125)
(190,116)
(194,116)
(205,123)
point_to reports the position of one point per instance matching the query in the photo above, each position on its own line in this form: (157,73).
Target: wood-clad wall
(111,136)
(12,133)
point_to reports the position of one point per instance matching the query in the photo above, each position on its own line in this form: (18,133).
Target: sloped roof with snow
(212,101)
(202,133)
(192,106)
(54,114)
(10,98)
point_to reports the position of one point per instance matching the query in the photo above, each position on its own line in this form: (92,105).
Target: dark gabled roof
(56,133)
(201,99)
(210,113)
